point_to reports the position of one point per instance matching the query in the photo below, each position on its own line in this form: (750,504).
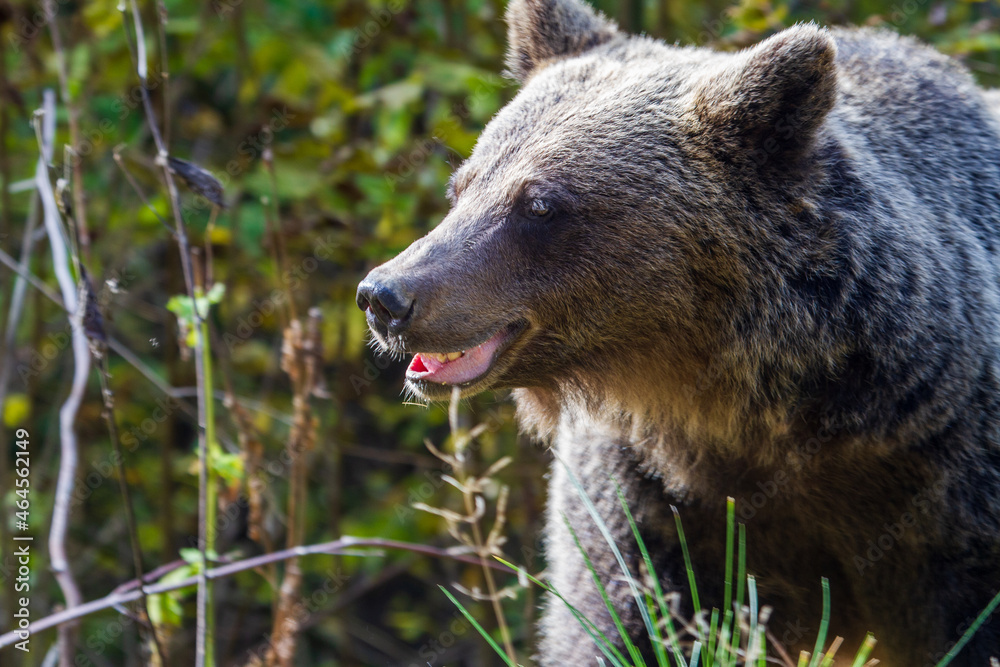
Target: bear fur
(771,275)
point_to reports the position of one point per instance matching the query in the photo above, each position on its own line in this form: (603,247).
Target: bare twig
(79,216)
(161,31)
(345,545)
(774,643)
(81,368)
(132,360)
(133,531)
(24,277)
(271,219)
(204,653)
(17,295)
(138,190)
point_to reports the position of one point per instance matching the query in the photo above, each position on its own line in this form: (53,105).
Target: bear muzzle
(448,351)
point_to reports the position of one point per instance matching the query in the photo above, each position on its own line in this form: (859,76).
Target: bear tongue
(474,363)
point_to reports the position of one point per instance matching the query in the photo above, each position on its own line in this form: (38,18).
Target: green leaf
(193,556)
(180,305)
(228,466)
(166,608)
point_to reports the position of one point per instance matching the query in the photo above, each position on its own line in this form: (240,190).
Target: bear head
(616,220)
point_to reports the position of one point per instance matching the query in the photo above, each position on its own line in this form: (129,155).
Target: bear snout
(388,302)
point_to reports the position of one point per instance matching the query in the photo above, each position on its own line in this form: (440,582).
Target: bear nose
(388,301)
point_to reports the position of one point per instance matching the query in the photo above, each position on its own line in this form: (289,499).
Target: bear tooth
(443,357)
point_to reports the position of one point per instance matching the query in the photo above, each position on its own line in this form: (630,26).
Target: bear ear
(542,30)
(768,102)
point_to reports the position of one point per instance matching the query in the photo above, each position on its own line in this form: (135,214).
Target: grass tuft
(719,643)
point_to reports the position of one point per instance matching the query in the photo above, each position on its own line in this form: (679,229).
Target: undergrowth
(730,637)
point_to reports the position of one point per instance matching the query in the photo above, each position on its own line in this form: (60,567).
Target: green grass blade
(824,623)
(713,629)
(730,535)
(479,628)
(687,562)
(600,639)
(722,648)
(602,526)
(741,577)
(659,646)
(866,648)
(960,644)
(695,652)
(752,636)
(629,645)
(657,588)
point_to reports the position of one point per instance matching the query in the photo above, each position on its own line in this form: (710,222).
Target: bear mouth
(432,375)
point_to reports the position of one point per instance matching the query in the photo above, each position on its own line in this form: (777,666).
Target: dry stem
(126,593)
(203,651)
(81,368)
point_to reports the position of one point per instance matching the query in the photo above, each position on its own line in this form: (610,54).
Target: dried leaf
(199,181)
(93,322)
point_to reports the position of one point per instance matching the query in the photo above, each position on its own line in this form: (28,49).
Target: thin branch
(346,545)
(131,359)
(17,295)
(73,113)
(127,354)
(24,276)
(133,530)
(272,221)
(204,653)
(81,369)
(138,190)
(161,30)
(251,403)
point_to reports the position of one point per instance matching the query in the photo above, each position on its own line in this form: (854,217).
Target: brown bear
(771,275)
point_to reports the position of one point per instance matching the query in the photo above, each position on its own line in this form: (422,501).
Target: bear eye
(539,208)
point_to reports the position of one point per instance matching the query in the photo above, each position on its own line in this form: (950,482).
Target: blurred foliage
(366,106)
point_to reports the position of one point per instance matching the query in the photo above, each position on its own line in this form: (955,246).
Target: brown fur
(771,275)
